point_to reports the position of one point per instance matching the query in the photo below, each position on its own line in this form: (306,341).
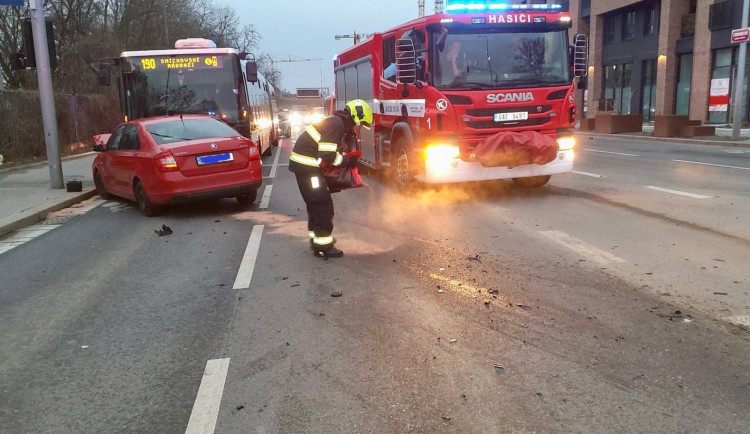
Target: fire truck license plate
(515,116)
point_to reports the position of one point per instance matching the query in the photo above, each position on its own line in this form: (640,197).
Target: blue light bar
(490,5)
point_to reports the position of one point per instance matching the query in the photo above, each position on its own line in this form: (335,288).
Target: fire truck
(440,85)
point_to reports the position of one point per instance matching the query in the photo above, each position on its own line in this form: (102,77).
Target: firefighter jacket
(320,143)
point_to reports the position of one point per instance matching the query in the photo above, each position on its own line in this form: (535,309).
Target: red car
(176,159)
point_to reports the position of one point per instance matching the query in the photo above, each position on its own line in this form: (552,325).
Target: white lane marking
(681,193)
(736,151)
(275,163)
(615,153)
(593,175)
(245,273)
(266,197)
(206,407)
(739,320)
(582,248)
(710,164)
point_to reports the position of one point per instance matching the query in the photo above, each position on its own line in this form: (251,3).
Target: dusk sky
(306,29)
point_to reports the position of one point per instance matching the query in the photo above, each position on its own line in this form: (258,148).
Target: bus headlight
(566,143)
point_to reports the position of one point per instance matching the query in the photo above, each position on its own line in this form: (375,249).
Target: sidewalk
(722,138)
(26,197)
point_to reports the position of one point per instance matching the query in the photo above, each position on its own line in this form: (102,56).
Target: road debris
(442,269)
(524,307)
(453,341)
(554,375)
(474,258)
(240,407)
(440,291)
(446,418)
(294,285)
(720,293)
(499,369)
(165,230)
(336,294)
(493,291)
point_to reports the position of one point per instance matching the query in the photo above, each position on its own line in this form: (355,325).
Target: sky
(305,29)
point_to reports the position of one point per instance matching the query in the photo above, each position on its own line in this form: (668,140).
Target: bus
(196,78)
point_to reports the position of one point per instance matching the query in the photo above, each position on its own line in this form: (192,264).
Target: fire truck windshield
(501,60)
(205,84)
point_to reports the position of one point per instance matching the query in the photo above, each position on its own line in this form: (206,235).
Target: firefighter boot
(329,252)
(312,243)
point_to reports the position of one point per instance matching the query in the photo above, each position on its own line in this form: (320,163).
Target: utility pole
(740,81)
(166,26)
(46,94)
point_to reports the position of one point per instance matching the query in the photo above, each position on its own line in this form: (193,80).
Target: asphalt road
(606,301)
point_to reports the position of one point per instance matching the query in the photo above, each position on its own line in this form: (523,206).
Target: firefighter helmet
(360,112)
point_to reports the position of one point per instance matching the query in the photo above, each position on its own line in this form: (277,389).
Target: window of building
(651,20)
(628,26)
(609,29)
(617,88)
(718,111)
(684,79)
(648,89)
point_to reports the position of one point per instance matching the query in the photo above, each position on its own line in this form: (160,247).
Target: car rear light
(166,162)
(253,152)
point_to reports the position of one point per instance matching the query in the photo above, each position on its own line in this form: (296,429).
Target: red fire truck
(442,84)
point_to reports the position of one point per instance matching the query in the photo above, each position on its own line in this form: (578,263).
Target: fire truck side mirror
(251,71)
(406,61)
(103,74)
(580,55)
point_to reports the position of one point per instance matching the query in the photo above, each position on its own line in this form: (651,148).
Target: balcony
(687,26)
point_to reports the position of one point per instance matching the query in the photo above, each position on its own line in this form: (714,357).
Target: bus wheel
(402,170)
(532,181)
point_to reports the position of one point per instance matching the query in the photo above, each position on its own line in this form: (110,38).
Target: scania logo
(494,98)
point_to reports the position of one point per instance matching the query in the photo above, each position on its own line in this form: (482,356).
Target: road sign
(11,2)
(740,35)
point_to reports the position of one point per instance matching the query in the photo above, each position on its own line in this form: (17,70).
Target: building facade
(660,57)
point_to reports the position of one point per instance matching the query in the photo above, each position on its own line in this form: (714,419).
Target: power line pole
(740,81)
(46,94)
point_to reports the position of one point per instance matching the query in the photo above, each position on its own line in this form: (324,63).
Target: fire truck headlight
(442,152)
(566,143)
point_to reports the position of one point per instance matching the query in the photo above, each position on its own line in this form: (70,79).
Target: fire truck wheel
(532,181)
(402,171)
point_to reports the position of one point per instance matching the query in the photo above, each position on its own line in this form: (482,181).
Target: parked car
(285,125)
(177,159)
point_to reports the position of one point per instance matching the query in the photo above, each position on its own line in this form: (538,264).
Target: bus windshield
(501,60)
(197,84)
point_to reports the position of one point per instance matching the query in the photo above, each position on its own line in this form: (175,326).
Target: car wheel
(247,199)
(402,167)
(99,183)
(144,203)
(532,181)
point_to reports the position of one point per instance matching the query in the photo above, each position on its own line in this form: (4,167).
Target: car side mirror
(99,148)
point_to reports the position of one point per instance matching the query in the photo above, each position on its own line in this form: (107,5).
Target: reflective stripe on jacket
(319,143)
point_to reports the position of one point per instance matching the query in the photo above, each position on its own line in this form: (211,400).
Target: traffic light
(28,45)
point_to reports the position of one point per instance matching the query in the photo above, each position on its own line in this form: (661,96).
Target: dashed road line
(275,163)
(582,248)
(743,320)
(266,197)
(593,175)
(614,153)
(207,402)
(245,273)
(710,164)
(677,192)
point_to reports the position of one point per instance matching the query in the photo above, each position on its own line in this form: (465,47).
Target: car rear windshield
(179,130)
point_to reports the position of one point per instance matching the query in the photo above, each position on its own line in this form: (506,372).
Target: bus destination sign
(181,62)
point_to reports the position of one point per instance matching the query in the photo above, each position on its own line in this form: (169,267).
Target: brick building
(659,57)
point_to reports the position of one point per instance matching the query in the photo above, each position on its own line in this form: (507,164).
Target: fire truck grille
(492,124)
(490,111)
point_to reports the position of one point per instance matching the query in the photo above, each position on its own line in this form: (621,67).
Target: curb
(43,163)
(38,213)
(727,143)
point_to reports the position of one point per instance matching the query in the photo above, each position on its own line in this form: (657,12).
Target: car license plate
(515,116)
(215,158)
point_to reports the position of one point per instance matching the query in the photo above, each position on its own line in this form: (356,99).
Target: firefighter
(319,143)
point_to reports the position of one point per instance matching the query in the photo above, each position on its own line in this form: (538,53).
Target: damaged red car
(177,159)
